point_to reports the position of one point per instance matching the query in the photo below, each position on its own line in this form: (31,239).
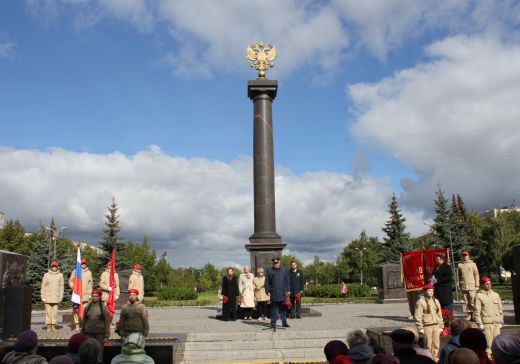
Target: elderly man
(468,282)
(86,287)
(428,318)
(136,281)
(489,315)
(51,295)
(403,345)
(277,286)
(134,317)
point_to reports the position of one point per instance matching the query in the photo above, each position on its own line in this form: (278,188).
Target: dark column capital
(256,88)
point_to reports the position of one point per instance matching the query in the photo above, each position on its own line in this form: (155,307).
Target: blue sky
(369,97)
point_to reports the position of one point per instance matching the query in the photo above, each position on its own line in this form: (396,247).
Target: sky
(146,102)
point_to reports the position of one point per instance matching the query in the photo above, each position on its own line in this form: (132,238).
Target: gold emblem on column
(261,57)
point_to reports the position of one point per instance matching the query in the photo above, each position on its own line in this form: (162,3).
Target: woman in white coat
(247,292)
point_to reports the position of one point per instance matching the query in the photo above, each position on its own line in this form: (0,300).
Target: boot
(48,328)
(53,328)
(76,327)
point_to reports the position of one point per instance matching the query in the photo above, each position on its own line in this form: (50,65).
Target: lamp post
(361,250)
(54,235)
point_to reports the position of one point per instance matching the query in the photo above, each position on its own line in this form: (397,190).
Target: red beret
(83,261)
(427,286)
(465,252)
(137,266)
(96,291)
(54,264)
(133,290)
(485,279)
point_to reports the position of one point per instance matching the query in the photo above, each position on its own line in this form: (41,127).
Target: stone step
(255,355)
(266,335)
(258,345)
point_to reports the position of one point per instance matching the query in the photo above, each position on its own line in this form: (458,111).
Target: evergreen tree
(441,221)
(457,224)
(397,240)
(112,240)
(37,263)
(13,239)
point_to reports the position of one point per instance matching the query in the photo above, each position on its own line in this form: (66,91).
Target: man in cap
(86,287)
(104,284)
(277,286)
(403,346)
(136,281)
(297,284)
(96,320)
(468,282)
(428,318)
(25,350)
(134,316)
(52,294)
(488,313)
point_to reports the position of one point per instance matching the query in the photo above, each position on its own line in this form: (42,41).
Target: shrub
(334,291)
(180,293)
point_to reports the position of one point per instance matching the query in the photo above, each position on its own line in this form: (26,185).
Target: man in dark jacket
(229,293)
(134,316)
(277,286)
(442,276)
(297,284)
(402,343)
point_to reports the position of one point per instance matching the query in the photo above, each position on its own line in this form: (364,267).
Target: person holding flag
(83,275)
(109,284)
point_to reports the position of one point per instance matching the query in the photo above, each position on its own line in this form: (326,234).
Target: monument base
(392,300)
(262,250)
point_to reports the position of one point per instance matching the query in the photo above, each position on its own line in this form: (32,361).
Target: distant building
(496,211)
(82,245)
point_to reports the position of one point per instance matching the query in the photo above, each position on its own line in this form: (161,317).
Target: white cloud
(197,209)
(455,120)
(7,49)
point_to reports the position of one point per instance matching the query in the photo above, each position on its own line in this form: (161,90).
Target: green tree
(112,240)
(287,259)
(163,271)
(397,240)
(361,255)
(13,239)
(458,228)
(320,272)
(37,263)
(441,221)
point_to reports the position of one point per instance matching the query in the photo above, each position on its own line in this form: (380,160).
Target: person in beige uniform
(428,318)
(104,284)
(51,295)
(136,281)
(86,288)
(489,315)
(468,282)
(261,296)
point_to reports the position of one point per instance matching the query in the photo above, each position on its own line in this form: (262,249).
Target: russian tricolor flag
(77,289)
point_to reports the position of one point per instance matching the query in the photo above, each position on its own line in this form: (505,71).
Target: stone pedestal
(389,284)
(15,298)
(265,243)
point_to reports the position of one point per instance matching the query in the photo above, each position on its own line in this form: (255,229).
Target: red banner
(111,293)
(417,267)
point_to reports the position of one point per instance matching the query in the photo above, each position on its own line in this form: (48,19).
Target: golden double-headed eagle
(261,57)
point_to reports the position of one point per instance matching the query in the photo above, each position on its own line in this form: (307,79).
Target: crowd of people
(282,288)
(467,346)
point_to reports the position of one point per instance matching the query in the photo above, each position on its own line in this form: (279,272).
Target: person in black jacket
(277,286)
(403,345)
(442,276)
(297,284)
(229,293)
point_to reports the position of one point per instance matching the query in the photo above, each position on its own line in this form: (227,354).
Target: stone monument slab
(389,284)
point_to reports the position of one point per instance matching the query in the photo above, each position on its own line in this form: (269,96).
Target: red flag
(111,304)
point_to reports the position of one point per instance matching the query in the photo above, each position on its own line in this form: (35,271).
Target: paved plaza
(192,320)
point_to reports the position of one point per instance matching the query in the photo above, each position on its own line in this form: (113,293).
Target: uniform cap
(133,290)
(137,266)
(83,261)
(96,292)
(465,252)
(427,286)
(485,279)
(54,264)
(275,260)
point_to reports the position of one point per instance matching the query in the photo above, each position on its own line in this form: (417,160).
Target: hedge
(334,291)
(179,293)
